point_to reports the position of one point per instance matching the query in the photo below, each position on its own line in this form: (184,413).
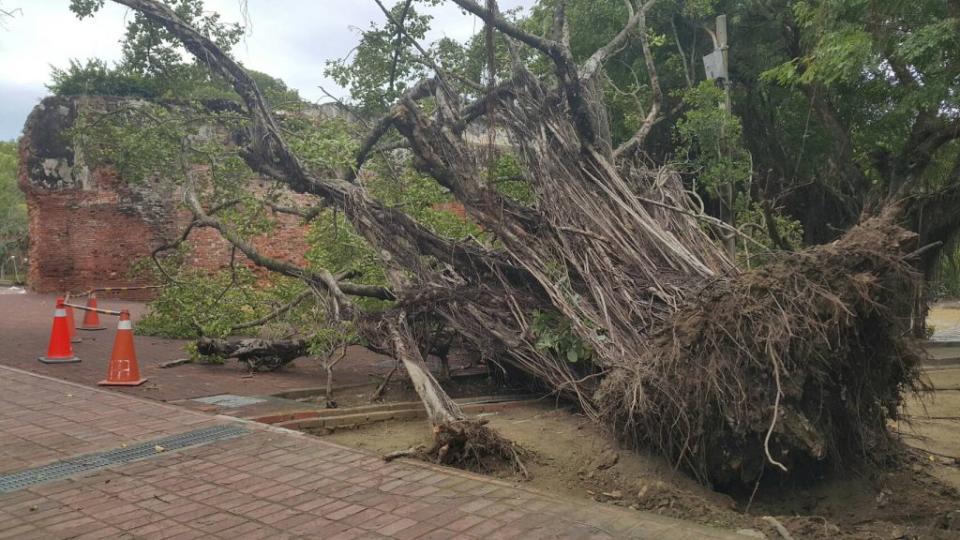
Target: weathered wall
(88,226)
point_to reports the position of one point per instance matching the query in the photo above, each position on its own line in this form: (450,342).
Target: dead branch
(382,387)
(175,363)
(273,314)
(653,114)
(328,364)
(308,214)
(320,277)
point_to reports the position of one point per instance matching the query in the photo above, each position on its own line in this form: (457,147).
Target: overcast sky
(289,39)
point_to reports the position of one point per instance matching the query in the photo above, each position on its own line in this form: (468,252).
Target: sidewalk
(264,483)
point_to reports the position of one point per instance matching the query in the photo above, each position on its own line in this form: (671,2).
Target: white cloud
(289,39)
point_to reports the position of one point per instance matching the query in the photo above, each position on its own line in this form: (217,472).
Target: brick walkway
(268,483)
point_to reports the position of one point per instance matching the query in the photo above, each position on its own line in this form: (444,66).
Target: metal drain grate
(101,460)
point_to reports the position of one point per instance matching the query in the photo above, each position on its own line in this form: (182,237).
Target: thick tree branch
(636,21)
(551,48)
(653,115)
(575,90)
(308,214)
(319,277)
(273,314)
(930,133)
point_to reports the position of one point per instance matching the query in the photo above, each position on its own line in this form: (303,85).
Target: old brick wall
(88,227)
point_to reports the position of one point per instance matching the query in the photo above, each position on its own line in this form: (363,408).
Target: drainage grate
(101,460)
(229,401)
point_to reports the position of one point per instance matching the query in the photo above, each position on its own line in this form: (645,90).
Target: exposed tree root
(471,445)
(799,363)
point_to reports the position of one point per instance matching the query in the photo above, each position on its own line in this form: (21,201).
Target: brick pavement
(270,483)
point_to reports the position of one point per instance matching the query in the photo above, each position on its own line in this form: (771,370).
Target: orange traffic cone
(91,319)
(60,351)
(71,326)
(123,369)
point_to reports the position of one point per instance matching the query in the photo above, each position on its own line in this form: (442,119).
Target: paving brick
(349,534)
(368,519)
(281,515)
(484,528)
(344,512)
(99,534)
(246,528)
(20,531)
(464,523)
(441,534)
(414,531)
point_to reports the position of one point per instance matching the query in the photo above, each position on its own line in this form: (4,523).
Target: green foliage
(138,141)
(327,339)
(882,66)
(752,222)
(335,246)
(95,77)
(13,207)
(553,333)
(211,303)
(382,67)
(155,66)
(323,145)
(189,83)
(508,178)
(422,198)
(710,137)
(151,50)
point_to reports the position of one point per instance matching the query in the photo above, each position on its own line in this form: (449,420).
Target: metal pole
(731,240)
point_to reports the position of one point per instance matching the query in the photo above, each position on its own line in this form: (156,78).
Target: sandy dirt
(573,458)
(944,321)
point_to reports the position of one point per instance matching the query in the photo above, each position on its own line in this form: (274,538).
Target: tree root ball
(794,366)
(470,445)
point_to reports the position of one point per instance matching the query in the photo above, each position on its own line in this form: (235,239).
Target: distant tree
(13,207)
(152,65)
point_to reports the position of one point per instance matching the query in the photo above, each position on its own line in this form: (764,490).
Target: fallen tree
(800,362)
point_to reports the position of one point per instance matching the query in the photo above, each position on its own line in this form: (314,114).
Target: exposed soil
(572,457)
